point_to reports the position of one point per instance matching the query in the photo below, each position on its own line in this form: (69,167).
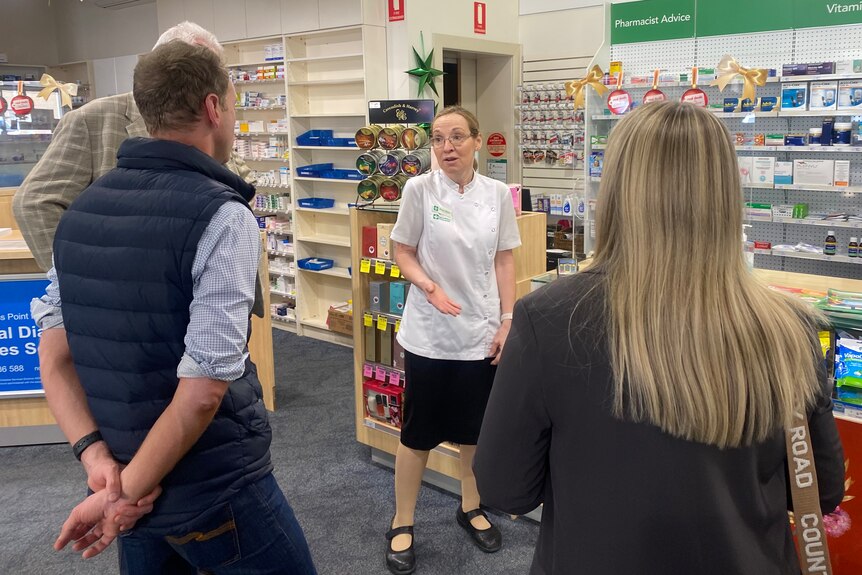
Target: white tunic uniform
(456,236)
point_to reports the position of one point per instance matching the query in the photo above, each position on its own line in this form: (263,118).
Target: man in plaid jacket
(84,148)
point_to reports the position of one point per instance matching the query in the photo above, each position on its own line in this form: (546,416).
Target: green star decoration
(425,73)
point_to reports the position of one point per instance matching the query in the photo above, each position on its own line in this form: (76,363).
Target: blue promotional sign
(19,336)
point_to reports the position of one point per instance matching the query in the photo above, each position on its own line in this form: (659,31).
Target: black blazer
(622,498)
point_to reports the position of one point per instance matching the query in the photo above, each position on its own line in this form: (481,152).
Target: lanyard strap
(810,534)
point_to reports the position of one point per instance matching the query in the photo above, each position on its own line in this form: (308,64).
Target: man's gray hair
(191,33)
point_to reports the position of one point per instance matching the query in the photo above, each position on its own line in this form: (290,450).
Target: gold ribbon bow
(576,87)
(66,90)
(729,68)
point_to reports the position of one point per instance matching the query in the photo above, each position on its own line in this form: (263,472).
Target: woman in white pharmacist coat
(453,241)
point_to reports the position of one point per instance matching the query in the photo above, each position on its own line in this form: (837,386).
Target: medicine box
(782,212)
(794,96)
(814,69)
(844,67)
(369,241)
(384,247)
(841,175)
(398,296)
(850,95)
(379,296)
(758,212)
(597,160)
(823,96)
(813,172)
(783,173)
(763,170)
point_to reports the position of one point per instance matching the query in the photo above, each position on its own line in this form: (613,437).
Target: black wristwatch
(85,442)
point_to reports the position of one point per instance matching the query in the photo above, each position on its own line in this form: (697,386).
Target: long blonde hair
(699,347)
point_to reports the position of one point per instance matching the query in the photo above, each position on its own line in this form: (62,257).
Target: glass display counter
(24,139)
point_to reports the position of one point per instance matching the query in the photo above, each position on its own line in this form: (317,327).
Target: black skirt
(444,400)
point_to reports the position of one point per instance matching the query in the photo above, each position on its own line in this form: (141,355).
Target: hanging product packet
(654,95)
(695,95)
(2,106)
(21,104)
(619,101)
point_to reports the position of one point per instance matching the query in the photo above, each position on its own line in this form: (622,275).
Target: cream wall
(28,36)
(562,34)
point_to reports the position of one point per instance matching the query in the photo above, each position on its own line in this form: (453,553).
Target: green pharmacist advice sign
(716,18)
(652,20)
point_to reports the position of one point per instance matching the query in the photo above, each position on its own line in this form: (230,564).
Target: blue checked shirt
(224,273)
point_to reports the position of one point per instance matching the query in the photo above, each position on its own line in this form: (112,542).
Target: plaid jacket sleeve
(59,177)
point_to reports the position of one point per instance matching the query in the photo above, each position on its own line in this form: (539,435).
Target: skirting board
(439,480)
(31,435)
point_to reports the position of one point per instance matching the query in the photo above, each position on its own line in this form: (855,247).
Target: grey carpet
(342,500)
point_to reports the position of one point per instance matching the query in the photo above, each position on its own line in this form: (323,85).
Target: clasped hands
(95,522)
(438,298)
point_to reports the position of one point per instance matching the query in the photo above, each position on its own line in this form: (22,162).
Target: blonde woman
(644,400)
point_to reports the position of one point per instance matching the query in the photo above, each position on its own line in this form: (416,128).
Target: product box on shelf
(398,296)
(386,345)
(371,341)
(339,318)
(763,170)
(823,96)
(746,164)
(397,354)
(384,249)
(783,173)
(813,172)
(758,212)
(814,69)
(850,95)
(782,211)
(597,160)
(794,96)
(762,247)
(369,241)
(841,175)
(379,292)
(383,401)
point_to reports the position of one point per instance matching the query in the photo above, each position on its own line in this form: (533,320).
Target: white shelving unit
(248,55)
(330,76)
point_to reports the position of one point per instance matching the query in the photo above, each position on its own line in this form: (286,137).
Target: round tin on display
(366,137)
(695,95)
(369,188)
(414,137)
(390,188)
(368,162)
(391,163)
(415,163)
(390,137)
(654,95)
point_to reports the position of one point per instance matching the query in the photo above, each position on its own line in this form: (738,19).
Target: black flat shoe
(488,540)
(400,562)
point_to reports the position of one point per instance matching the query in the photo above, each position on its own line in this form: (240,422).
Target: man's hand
(103,471)
(499,341)
(95,522)
(441,301)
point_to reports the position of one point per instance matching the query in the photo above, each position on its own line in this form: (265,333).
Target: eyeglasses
(455,139)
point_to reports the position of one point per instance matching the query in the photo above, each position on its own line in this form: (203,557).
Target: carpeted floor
(342,500)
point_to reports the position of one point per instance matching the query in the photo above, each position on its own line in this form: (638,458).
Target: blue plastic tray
(317,203)
(313,170)
(315,263)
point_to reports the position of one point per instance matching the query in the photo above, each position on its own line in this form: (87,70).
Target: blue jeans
(254,533)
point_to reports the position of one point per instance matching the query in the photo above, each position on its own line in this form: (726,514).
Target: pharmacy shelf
(282,293)
(326,239)
(272,187)
(279,160)
(335,82)
(334,272)
(815,256)
(261,108)
(606,117)
(817,113)
(260,134)
(280,233)
(334,211)
(283,323)
(801,149)
(279,253)
(281,272)
(325,58)
(344,115)
(814,188)
(329,148)
(252,82)
(315,321)
(820,223)
(753,114)
(759,186)
(262,212)
(258,63)
(327,180)
(703,83)
(821,77)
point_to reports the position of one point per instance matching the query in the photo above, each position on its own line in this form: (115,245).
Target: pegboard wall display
(551,133)
(788,215)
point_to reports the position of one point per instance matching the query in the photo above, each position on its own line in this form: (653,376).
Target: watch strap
(85,442)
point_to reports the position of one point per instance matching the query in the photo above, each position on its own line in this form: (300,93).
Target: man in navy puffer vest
(155,268)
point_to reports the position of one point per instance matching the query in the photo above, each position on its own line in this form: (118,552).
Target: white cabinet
(114,75)
(229,21)
(201,12)
(299,16)
(337,13)
(263,18)
(170,13)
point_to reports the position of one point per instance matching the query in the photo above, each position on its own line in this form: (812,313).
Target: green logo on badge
(441,214)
